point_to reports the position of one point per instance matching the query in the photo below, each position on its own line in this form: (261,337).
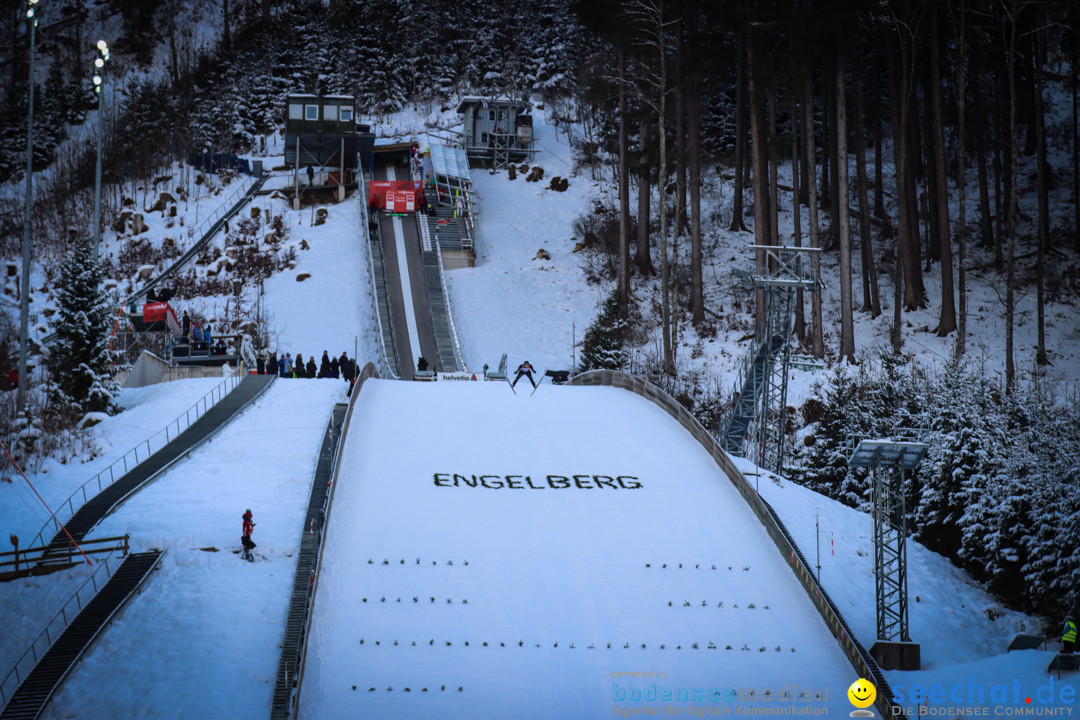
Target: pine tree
(604,346)
(79,356)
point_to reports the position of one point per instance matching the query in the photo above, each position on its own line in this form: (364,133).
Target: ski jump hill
(574,554)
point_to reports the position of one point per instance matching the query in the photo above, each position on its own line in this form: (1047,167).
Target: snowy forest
(923,136)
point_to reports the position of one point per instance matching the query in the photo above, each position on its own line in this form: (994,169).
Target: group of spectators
(197,335)
(288,367)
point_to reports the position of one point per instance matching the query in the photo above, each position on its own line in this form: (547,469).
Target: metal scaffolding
(889,461)
(755,425)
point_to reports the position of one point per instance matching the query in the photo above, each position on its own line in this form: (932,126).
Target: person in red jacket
(245,539)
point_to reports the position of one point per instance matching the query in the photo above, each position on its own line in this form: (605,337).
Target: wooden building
(321,131)
(498,130)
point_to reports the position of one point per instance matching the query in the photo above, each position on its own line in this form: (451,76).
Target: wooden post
(341,177)
(296,177)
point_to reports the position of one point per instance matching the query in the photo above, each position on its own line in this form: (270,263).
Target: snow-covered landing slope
(493,555)
(202,638)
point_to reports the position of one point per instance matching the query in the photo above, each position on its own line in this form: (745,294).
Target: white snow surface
(648,546)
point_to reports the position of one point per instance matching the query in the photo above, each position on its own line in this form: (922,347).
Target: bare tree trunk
(760,161)
(680,139)
(847,326)
(818,341)
(665,268)
(797,170)
(947,319)
(1076,146)
(899,102)
(1002,180)
(226,37)
(624,188)
(871,297)
(1043,171)
(986,220)
(737,223)
(774,192)
(1010,213)
(961,182)
(697,291)
(642,260)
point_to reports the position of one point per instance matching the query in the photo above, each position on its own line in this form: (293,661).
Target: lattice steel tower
(755,425)
(889,461)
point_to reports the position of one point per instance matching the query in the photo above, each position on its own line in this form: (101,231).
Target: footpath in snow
(564,555)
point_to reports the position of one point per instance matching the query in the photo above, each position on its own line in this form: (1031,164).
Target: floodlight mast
(24,291)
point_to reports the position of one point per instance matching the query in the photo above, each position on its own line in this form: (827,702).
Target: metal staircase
(755,425)
(310,542)
(97,507)
(35,689)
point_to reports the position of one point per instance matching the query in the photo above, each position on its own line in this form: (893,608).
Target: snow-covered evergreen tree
(604,345)
(79,356)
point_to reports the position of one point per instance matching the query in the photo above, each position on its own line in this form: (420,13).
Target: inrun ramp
(104,502)
(491,555)
(29,700)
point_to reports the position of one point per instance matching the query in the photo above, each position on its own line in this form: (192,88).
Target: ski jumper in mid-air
(527,370)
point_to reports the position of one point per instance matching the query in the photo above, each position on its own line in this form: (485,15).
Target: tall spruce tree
(79,356)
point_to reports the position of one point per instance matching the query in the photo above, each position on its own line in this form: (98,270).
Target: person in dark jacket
(312,371)
(334,368)
(260,365)
(527,370)
(186,327)
(299,369)
(324,365)
(343,364)
(271,364)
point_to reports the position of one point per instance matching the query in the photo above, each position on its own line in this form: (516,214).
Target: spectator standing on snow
(260,365)
(312,371)
(299,368)
(324,365)
(285,365)
(186,327)
(334,368)
(271,364)
(245,538)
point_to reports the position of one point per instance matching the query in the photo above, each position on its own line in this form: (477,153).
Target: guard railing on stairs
(36,561)
(295,684)
(385,368)
(59,622)
(449,313)
(131,459)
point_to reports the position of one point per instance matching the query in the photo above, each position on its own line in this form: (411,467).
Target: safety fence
(284,707)
(130,460)
(63,617)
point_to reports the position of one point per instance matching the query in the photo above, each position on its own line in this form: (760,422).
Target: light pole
(99,81)
(24,294)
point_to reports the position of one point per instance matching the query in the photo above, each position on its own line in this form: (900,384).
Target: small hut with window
(321,133)
(498,130)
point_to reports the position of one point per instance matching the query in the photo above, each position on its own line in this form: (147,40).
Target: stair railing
(132,458)
(60,621)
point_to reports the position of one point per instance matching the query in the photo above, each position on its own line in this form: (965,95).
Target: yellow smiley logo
(862,693)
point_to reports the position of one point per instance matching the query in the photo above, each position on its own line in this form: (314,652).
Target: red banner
(391,195)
